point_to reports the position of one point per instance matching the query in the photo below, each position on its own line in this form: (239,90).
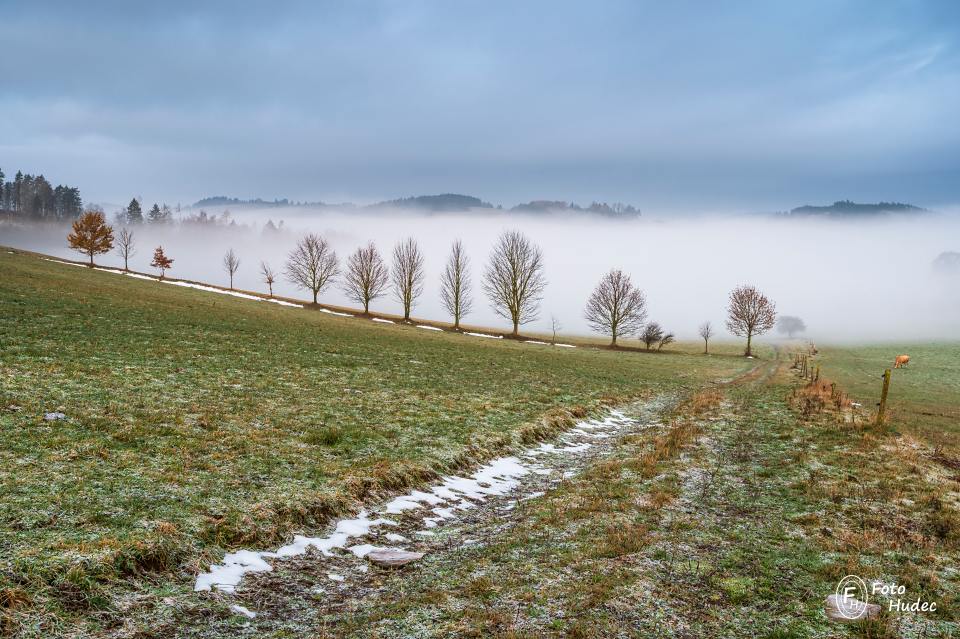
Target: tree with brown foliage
(616,307)
(706,332)
(125,246)
(407,274)
(269,277)
(161,261)
(455,284)
(750,313)
(312,264)
(231,263)
(367,276)
(514,280)
(91,235)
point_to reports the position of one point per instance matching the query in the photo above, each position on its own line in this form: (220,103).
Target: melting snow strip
(327,310)
(485,335)
(383,321)
(429,328)
(240,610)
(453,493)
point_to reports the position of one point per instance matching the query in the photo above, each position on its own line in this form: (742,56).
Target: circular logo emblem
(852,597)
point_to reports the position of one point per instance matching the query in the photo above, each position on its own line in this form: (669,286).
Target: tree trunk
(315,297)
(749,338)
(516,328)
(91,259)
(706,347)
(366,307)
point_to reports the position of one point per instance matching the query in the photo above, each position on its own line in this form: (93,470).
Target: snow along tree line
(513,282)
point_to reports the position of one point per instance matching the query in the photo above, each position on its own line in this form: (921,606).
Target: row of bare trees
(513,281)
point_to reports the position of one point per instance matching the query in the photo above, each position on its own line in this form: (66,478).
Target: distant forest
(847,207)
(33,197)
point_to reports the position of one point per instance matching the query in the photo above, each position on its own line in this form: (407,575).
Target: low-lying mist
(850,280)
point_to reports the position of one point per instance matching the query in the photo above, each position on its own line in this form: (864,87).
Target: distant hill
(848,208)
(599,208)
(222,200)
(442,202)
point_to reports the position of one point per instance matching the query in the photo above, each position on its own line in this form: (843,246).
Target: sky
(680,106)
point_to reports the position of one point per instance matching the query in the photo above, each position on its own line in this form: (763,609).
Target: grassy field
(197,422)
(736,519)
(924,398)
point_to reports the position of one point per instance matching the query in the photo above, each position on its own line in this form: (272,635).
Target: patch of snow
(141,277)
(534,495)
(429,328)
(383,321)
(327,310)
(533,341)
(485,335)
(453,493)
(334,577)
(283,303)
(240,610)
(566,345)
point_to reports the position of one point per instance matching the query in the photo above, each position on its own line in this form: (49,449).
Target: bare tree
(514,280)
(651,334)
(555,326)
(750,313)
(312,264)
(367,276)
(790,324)
(269,277)
(125,246)
(616,307)
(455,284)
(230,264)
(407,274)
(706,332)
(667,338)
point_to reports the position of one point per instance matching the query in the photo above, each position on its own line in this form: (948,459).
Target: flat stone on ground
(393,558)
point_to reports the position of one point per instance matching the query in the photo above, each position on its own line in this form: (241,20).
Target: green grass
(924,398)
(736,520)
(198,422)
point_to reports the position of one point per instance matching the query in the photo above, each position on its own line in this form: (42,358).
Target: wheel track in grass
(314,591)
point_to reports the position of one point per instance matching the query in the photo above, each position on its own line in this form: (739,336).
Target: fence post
(883,398)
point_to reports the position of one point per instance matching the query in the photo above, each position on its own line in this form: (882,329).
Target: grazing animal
(901,361)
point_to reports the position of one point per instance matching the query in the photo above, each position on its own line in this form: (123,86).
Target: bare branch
(312,264)
(408,274)
(455,290)
(750,313)
(514,280)
(706,332)
(616,307)
(269,277)
(125,246)
(367,277)
(230,264)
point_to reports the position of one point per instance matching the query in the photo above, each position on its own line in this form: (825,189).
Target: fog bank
(850,280)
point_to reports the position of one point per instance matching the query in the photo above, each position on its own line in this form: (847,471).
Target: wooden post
(817,378)
(883,398)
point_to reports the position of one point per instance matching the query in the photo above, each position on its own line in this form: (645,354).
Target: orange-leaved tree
(161,261)
(91,235)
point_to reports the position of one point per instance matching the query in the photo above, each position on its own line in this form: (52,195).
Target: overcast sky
(669,106)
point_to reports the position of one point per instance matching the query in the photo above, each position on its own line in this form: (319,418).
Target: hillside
(846,208)
(196,423)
